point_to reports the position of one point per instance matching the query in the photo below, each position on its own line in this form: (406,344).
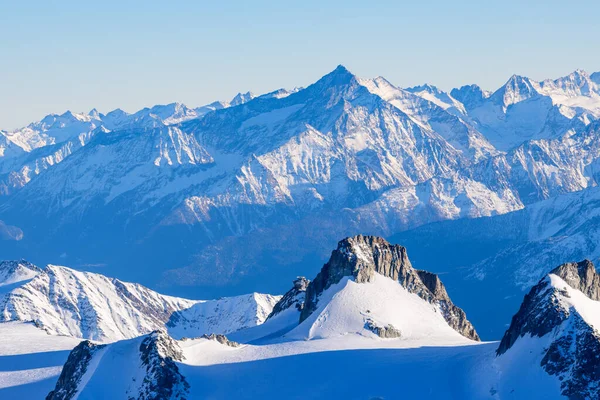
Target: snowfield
(30,360)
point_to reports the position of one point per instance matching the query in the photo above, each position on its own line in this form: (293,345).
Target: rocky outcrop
(573,354)
(156,359)
(385,332)
(575,358)
(73,370)
(221,339)
(541,310)
(162,379)
(538,315)
(293,298)
(454,315)
(581,276)
(361,257)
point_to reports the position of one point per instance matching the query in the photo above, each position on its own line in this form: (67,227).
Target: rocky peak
(73,370)
(162,380)
(552,308)
(157,368)
(515,90)
(361,257)
(471,96)
(539,313)
(581,276)
(293,298)
(339,78)
(241,98)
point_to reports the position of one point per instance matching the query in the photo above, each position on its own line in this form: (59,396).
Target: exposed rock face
(385,332)
(541,310)
(160,376)
(293,298)
(73,371)
(163,380)
(538,315)
(581,276)
(361,257)
(574,352)
(221,339)
(575,358)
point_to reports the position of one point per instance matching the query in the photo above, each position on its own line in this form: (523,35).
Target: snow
(343,309)
(223,316)
(518,373)
(574,299)
(64,301)
(30,360)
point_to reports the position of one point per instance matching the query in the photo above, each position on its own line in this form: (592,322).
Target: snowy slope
(63,301)
(30,360)
(548,352)
(222,316)
(345,308)
(15,272)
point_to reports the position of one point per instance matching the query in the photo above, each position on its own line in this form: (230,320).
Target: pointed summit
(94,113)
(339,77)
(242,98)
(340,73)
(516,89)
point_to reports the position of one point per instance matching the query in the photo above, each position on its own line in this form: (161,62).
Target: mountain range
(368,314)
(246,195)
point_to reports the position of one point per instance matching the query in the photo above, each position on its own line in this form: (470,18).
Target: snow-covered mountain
(254,191)
(368,308)
(63,301)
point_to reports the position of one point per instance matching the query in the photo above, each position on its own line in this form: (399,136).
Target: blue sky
(59,55)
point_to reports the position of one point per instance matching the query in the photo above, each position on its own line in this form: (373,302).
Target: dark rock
(386,332)
(73,371)
(581,276)
(361,257)
(574,353)
(293,298)
(162,379)
(221,339)
(575,358)
(538,315)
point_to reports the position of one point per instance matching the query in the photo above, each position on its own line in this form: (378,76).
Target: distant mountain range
(244,195)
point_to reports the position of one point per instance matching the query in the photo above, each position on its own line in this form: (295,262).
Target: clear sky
(76,55)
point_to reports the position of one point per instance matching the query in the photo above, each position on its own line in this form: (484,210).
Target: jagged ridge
(363,256)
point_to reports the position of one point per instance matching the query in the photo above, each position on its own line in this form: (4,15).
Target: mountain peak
(515,90)
(561,308)
(241,98)
(340,72)
(471,96)
(363,257)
